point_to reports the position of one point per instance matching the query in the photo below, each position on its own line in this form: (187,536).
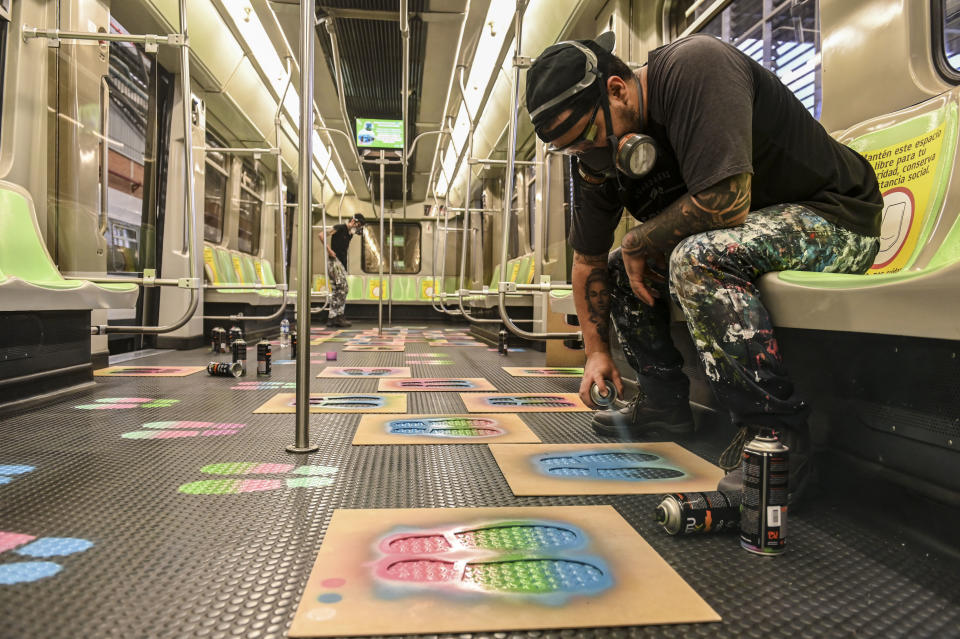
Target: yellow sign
(906,172)
(373,289)
(426,289)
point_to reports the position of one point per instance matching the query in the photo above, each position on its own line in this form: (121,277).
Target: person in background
(731,178)
(337,243)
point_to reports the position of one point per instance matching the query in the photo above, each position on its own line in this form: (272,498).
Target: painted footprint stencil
(528,558)
(9,472)
(43,548)
(622,465)
(302,477)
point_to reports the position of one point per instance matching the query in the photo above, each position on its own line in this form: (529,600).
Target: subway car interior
(466,436)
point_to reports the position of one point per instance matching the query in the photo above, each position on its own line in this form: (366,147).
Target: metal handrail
(305,201)
(190,209)
(104,155)
(509,187)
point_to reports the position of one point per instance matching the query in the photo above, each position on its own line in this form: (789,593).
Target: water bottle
(284,333)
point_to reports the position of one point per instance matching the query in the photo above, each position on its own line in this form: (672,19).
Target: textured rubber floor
(172,563)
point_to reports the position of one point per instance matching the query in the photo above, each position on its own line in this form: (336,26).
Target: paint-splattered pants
(338,287)
(712,277)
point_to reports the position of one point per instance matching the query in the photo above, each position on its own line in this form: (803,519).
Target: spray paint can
(502,347)
(216,339)
(600,400)
(293,345)
(763,515)
(239,350)
(691,513)
(235,334)
(264,353)
(225,369)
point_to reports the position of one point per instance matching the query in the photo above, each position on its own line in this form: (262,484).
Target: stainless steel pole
(509,187)
(304,209)
(383,172)
(405,103)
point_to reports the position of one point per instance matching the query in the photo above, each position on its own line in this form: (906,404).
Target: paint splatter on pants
(712,277)
(338,287)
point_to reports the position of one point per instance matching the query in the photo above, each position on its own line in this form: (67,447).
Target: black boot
(638,420)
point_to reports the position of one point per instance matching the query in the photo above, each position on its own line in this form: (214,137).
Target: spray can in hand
(763,515)
(604,401)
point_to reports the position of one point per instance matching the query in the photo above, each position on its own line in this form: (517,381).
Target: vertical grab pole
(304,210)
(383,169)
(190,207)
(405,103)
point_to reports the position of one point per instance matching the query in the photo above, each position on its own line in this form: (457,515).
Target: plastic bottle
(284,333)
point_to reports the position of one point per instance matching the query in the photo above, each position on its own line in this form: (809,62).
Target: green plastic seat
(526,271)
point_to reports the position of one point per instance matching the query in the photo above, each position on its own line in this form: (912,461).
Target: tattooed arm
(591,294)
(722,205)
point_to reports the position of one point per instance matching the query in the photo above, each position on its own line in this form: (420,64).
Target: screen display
(379,134)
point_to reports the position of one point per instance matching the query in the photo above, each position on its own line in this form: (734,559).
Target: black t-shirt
(714,113)
(340,242)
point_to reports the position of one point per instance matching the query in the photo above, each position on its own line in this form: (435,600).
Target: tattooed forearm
(723,205)
(598,301)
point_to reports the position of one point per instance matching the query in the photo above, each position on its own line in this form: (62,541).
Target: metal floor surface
(167,564)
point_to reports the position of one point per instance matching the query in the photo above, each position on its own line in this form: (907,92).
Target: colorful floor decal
(460,570)
(442,429)
(436,384)
(547,371)
(439,343)
(175,430)
(43,548)
(264,385)
(524,403)
(148,371)
(303,477)
(121,403)
(374,348)
(9,472)
(510,349)
(291,362)
(339,403)
(336,372)
(599,469)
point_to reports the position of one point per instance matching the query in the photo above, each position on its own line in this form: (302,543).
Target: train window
(946,20)
(404,243)
(782,35)
(250,207)
(124,254)
(215,190)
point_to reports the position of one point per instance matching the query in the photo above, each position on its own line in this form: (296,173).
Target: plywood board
(148,371)
(374,348)
(442,429)
(339,403)
(524,403)
(604,469)
(459,570)
(545,371)
(436,384)
(355,372)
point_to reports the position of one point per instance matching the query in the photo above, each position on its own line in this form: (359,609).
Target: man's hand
(636,267)
(331,254)
(599,367)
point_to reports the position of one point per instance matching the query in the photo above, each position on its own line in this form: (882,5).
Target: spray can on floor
(763,514)
(293,345)
(235,334)
(264,354)
(217,336)
(239,350)
(225,369)
(693,513)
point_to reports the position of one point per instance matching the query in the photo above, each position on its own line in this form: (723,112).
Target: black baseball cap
(566,75)
(359,219)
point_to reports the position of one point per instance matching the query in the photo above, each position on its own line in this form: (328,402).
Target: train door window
(946,15)
(250,208)
(404,248)
(215,190)
(782,35)
(4,28)
(130,78)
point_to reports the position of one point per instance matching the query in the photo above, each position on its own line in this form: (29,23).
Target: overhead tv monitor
(379,134)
